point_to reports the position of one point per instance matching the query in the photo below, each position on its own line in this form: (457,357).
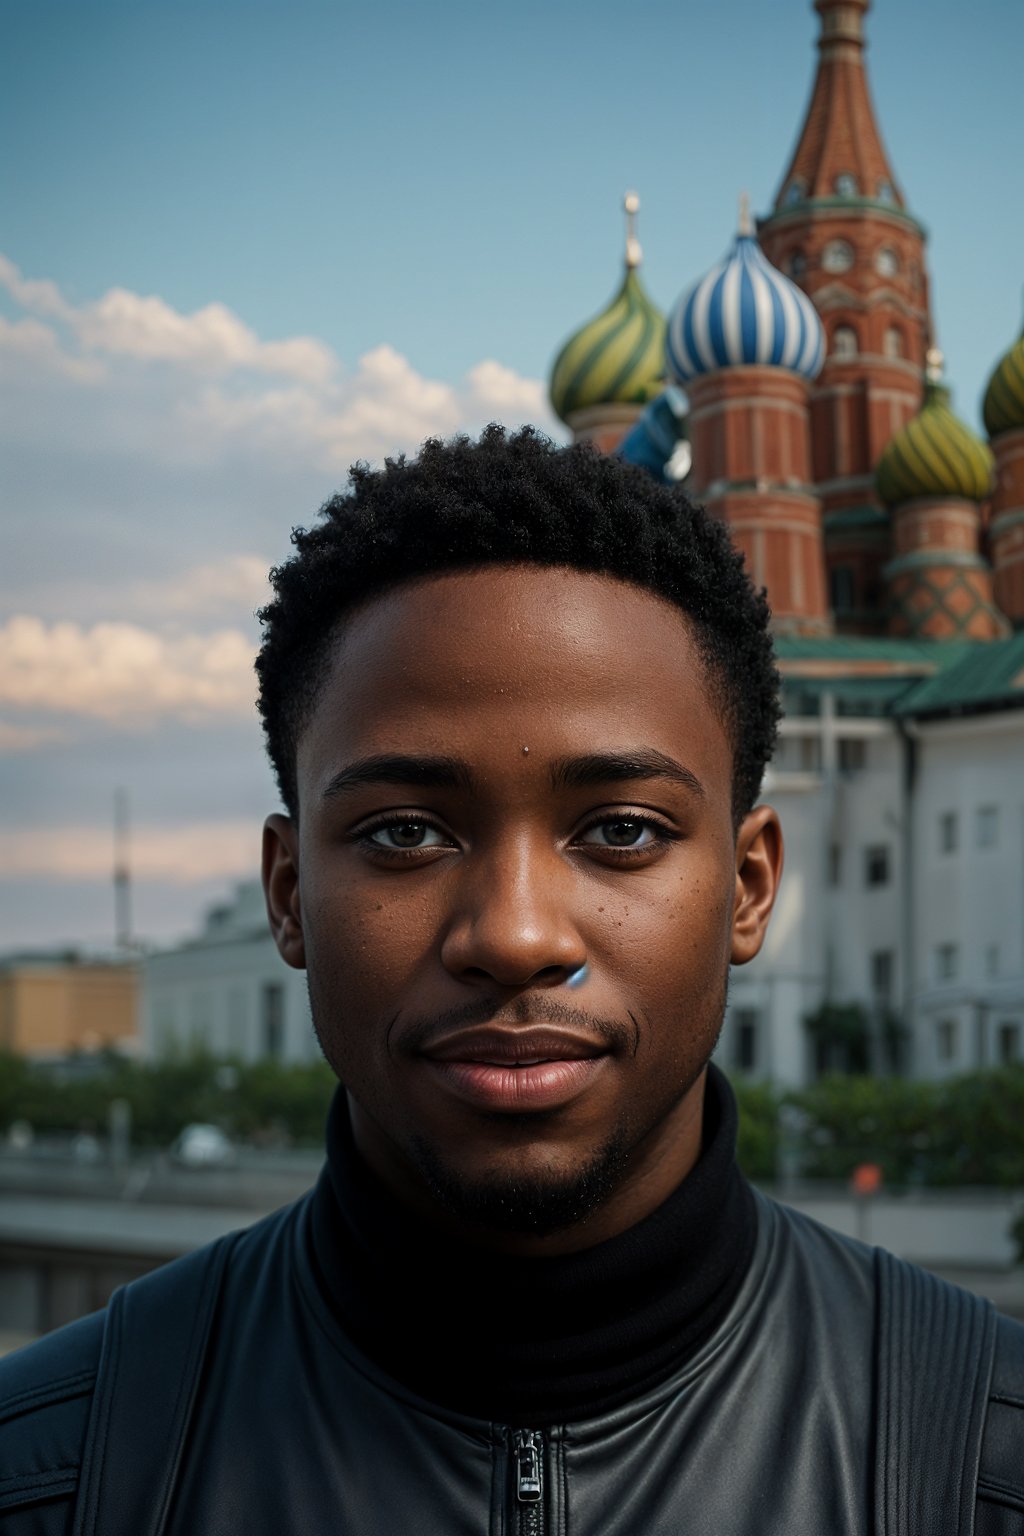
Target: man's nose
(512,922)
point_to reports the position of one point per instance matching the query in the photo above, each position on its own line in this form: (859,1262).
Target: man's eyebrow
(616,767)
(400,768)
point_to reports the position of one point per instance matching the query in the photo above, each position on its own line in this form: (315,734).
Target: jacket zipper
(528,1475)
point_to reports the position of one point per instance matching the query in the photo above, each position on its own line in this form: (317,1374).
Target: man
(519,701)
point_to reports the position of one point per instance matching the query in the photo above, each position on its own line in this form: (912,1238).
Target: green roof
(989,676)
(918,678)
(856,517)
(864,675)
(913,654)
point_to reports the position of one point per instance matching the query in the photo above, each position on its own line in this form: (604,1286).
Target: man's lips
(512,1047)
(516,1070)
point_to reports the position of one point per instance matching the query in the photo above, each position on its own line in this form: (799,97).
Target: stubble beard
(520,1204)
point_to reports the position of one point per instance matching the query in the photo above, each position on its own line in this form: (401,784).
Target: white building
(900,783)
(228,990)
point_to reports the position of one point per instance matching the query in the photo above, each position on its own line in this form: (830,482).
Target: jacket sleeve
(45,1396)
(1001,1474)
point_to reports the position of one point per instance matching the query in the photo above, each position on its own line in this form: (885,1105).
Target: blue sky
(246,243)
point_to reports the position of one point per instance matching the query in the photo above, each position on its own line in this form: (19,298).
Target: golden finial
(746,227)
(634,255)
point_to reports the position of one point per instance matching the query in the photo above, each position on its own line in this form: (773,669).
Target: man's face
(517,891)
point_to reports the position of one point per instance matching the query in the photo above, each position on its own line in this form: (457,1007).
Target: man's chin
(524,1202)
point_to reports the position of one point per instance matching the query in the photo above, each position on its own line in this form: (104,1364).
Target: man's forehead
(565,663)
(565,609)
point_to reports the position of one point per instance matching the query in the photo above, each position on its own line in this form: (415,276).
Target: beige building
(53,1005)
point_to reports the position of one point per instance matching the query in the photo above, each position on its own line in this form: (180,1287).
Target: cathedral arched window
(892,342)
(887,261)
(844,341)
(846,185)
(796,264)
(838,256)
(841,587)
(794,193)
(886,192)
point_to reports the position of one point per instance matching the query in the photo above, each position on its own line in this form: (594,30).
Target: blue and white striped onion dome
(745,311)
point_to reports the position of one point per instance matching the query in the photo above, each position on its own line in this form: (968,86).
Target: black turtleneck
(534,1341)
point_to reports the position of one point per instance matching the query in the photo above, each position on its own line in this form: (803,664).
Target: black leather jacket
(773,1426)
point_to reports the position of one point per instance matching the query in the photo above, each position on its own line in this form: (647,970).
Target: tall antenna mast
(122,872)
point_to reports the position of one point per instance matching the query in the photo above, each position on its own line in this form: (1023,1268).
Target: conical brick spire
(841,230)
(839,152)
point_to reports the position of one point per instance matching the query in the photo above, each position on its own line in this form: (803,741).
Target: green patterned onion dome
(934,455)
(618,358)
(1003,408)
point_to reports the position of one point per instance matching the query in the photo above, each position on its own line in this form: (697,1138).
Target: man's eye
(623,832)
(407,834)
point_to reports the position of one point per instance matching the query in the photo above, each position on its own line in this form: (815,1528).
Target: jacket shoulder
(1001,1474)
(45,1396)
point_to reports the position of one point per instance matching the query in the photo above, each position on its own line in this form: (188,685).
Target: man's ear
(281,888)
(758,872)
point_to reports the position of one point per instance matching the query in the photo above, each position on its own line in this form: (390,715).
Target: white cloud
(31,342)
(122,672)
(180,854)
(235,584)
(511,397)
(145,327)
(211,392)
(39,295)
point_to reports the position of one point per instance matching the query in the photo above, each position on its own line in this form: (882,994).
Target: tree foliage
(964,1130)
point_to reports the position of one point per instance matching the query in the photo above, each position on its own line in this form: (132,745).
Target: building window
(882,971)
(841,587)
(987,825)
(794,194)
(892,342)
(745,1040)
(876,865)
(946,1043)
(846,185)
(273,1019)
(1008,1043)
(946,961)
(200,1021)
(949,832)
(838,256)
(844,341)
(853,754)
(797,264)
(887,262)
(835,864)
(991,961)
(236,1022)
(810,754)
(886,192)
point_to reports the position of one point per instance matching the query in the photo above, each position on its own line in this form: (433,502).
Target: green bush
(261,1101)
(757,1148)
(966,1130)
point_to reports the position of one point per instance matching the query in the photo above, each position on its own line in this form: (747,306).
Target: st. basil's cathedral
(798,393)
(819,425)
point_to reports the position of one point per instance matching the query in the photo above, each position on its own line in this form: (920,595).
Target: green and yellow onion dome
(1003,407)
(934,454)
(618,358)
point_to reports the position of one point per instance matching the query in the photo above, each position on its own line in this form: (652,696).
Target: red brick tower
(746,344)
(840,229)
(934,474)
(1004,418)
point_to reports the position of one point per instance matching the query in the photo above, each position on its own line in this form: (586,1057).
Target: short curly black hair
(509,500)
